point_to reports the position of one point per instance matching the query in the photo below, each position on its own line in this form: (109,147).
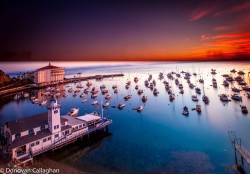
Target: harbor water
(159,139)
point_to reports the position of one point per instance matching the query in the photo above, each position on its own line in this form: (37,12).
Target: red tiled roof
(48,67)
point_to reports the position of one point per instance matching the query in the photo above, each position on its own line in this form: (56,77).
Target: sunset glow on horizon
(118,31)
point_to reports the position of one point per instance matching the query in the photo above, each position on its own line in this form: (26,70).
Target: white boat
(136,87)
(57,94)
(93,95)
(201,80)
(194,98)
(236,97)
(108,96)
(102,87)
(225,83)
(26,94)
(181,91)
(94,103)
(114,86)
(127,97)
(246,88)
(144,98)
(191,85)
(233,71)
(84,100)
(70,90)
(106,104)
(94,90)
(139,109)
(79,86)
(155,92)
(121,105)
(43,103)
(198,108)
(36,101)
(136,79)
(116,91)
(180,86)
(224,97)
(73,112)
(89,83)
(46,93)
(244,109)
(241,72)
(65,95)
(140,91)
(82,95)
(104,91)
(205,99)
(185,111)
(234,89)
(171,97)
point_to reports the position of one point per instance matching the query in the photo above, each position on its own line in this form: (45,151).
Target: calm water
(159,139)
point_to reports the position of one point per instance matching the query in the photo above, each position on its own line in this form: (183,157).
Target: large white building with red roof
(49,74)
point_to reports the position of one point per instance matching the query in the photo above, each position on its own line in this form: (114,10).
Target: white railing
(70,137)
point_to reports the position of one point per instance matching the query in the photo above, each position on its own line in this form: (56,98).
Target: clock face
(55,111)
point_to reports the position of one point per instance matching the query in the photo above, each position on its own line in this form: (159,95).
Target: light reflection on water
(159,139)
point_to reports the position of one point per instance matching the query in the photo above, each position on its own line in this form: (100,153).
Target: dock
(239,149)
(65,81)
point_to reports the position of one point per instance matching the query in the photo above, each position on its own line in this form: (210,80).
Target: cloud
(222,28)
(201,12)
(233,9)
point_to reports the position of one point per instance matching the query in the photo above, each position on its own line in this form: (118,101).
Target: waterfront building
(49,74)
(31,136)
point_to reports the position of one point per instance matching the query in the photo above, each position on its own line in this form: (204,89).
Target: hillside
(4,77)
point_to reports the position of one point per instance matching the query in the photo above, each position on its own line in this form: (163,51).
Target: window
(37,142)
(44,140)
(76,127)
(49,138)
(32,144)
(56,111)
(54,127)
(80,126)
(56,136)
(66,132)
(57,126)
(31,131)
(18,135)
(42,128)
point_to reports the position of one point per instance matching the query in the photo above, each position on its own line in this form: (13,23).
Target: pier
(238,148)
(65,81)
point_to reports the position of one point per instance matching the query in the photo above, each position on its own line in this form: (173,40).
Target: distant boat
(70,90)
(225,83)
(104,91)
(121,106)
(94,103)
(139,109)
(89,83)
(102,87)
(224,97)
(155,92)
(234,89)
(43,103)
(73,112)
(84,100)
(26,94)
(236,97)
(244,109)
(205,99)
(114,86)
(194,98)
(198,108)
(140,91)
(233,71)
(108,96)
(82,95)
(181,91)
(144,98)
(185,111)
(136,79)
(65,95)
(136,87)
(127,97)
(116,91)
(106,104)
(198,90)
(171,97)
(246,88)
(241,72)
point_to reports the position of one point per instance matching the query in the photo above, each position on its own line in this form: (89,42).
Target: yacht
(201,80)
(171,97)
(65,95)
(121,105)
(82,95)
(102,87)
(181,91)
(248,95)
(136,79)
(198,108)
(127,97)
(116,91)
(26,94)
(93,95)
(136,87)
(73,112)
(86,91)
(139,109)
(194,98)
(70,90)
(191,85)
(106,104)
(177,81)
(79,86)
(94,103)
(128,83)
(104,91)
(35,100)
(234,89)
(233,71)
(180,86)
(246,88)
(185,111)
(43,103)
(108,96)
(114,86)
(244,109)
(84,100)
(140,91)
(241,72)
(224,97)
(225,83)
(198,90)
(94,90)
(205,99)
(89,83)
(144,98)
(155,92)
(229,79)
(236,97)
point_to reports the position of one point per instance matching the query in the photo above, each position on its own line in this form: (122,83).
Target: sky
(92,30)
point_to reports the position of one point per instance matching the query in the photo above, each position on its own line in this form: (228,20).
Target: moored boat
(244,109)
(73,112)
(121,106)
(185,111)
(205,99)
(94,102)
(198,108)
(139,109)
